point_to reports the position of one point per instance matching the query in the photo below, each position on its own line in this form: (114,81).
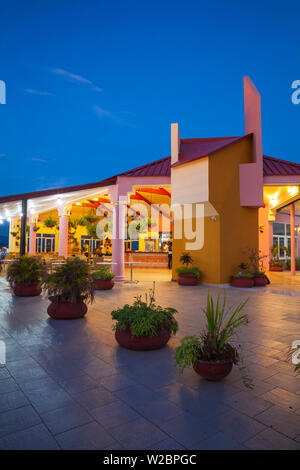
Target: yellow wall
(235,228)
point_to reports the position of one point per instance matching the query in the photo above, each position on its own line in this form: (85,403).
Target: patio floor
(67,385)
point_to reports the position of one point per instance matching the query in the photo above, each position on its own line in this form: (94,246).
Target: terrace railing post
(23,228)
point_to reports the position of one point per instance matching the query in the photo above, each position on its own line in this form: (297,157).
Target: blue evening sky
(92,85)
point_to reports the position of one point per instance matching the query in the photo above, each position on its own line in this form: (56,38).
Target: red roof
(276,167)
(192,149)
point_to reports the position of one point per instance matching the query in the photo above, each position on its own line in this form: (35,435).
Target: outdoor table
(131,263)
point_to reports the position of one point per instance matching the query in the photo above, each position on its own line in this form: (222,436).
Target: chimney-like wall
(175,143)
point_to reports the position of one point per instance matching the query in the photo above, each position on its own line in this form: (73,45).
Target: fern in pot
(69,288)
(25,276)
(144,325)
(212,354)
(103,278)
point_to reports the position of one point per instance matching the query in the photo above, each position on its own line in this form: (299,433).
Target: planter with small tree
(69,288)
(211,354)
(25,276)
(144,325)
(188,275)
(256,263)
(275,264)
(103,278)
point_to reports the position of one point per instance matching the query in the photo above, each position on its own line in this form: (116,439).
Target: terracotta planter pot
(23,290)
(276,268)
(213,370)
(66,310)
(142,343)
(260,280)
(103,284)
(242,281)
(187,279)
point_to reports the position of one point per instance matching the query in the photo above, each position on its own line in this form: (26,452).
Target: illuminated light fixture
(78,204)
(292,190)
(59,201)
(6,213)
(95,199)
(273,201)
(1,221)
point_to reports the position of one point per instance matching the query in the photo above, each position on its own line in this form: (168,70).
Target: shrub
(70,282)
(240,274)
(213,342)
(26,270)
(144,318)
(103,273)
(185,270)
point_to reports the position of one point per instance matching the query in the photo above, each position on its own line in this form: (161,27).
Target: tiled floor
(67,385)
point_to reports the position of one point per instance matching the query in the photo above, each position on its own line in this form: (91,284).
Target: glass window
(278,229)
(288,229)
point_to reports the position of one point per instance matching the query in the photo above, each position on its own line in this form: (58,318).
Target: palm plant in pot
(69,288)
(211,354)
(275,264)
(188,275)
(103,278)
(25,276)
(144,325)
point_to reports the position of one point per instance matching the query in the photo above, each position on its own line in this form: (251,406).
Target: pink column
(119,212)
(64,214)
(32,234)
(293,252)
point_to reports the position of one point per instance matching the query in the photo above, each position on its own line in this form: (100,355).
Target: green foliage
(103,273)
(71,281)
(256,260)
(186,259)
(188,353)
(240,274)
(185,270)
(50,222)
(213,343)
(25,270)
(297,263)
(144,318)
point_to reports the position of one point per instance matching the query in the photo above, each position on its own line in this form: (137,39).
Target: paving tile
(116,382)
(158,411)
(284,381)
(239,427)
(79,384)
(138,434)
(282,420)
(136,394)
(271,440)
(167,444)
(248,403)
(63,419)
(90,436)
(12,400)
(219,442)
(17,420)
(34,438)
(44,383)
(94,398)
(4,373)
(114,414)
(188,430)
(48,400)
(8,385)
(283,398)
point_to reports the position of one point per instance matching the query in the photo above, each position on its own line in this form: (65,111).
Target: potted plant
(103,278)
(256,262)
(297,264)
(69,288)
(211,354)
(49,222)
(242,279)
(25,276)
(187,275)
(144,325)
(275,264)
